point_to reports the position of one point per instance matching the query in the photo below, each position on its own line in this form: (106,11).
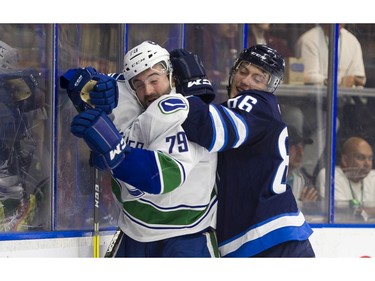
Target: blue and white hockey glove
(101,135)
(88,89)
(190,75)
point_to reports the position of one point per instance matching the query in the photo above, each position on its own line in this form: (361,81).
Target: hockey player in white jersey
(163,183)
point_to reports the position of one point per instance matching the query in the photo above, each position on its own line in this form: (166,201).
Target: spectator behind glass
(354,177)
(312,47)
(300,184)
(216,45)
(259,33)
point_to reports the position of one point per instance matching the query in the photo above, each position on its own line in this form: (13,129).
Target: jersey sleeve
(218,127)
(160,157)
(150,171)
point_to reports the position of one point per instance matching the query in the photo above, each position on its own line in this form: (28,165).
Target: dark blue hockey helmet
(265,58)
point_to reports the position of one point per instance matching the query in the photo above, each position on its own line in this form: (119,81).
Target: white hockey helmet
(143,57)
(8,56)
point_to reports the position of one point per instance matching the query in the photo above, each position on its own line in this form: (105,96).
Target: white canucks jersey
(165,185)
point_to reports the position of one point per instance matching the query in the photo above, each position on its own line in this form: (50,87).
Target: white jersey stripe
(220,131)
(240,126)
(160,171)
(253,234)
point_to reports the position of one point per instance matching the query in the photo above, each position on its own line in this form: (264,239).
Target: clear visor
(262,79)
(159,70)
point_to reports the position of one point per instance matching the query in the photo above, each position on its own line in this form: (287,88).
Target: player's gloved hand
(105,93)
(87,89)
(30,77)
(190,75)
(20,84)
(101,135)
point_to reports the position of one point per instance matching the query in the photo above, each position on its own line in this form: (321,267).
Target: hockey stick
(85,96)
(96,240)
(114,244)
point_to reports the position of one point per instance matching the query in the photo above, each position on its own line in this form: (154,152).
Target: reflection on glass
(25,191)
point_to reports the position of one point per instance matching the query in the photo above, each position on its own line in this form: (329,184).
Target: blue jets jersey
(256,209)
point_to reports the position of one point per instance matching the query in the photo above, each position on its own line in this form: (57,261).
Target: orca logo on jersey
(172,104)
(135,192)
(118,149)
(199,82)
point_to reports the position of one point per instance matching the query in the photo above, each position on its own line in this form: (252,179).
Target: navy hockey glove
(190,75)
(101,135)
(88,89)
(30,75)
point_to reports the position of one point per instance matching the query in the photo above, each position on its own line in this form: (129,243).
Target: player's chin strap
(171,80)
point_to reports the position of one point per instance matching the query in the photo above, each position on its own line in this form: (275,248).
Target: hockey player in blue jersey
(257,212)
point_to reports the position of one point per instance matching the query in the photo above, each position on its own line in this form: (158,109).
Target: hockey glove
(30,76)
(88,89)
(101,135)
(19,84)
(190,75)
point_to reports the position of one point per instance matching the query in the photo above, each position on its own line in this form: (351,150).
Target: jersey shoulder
(171,108)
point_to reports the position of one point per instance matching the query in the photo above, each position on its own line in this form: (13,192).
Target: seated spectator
(354,176)
(300,184)
(312,47)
